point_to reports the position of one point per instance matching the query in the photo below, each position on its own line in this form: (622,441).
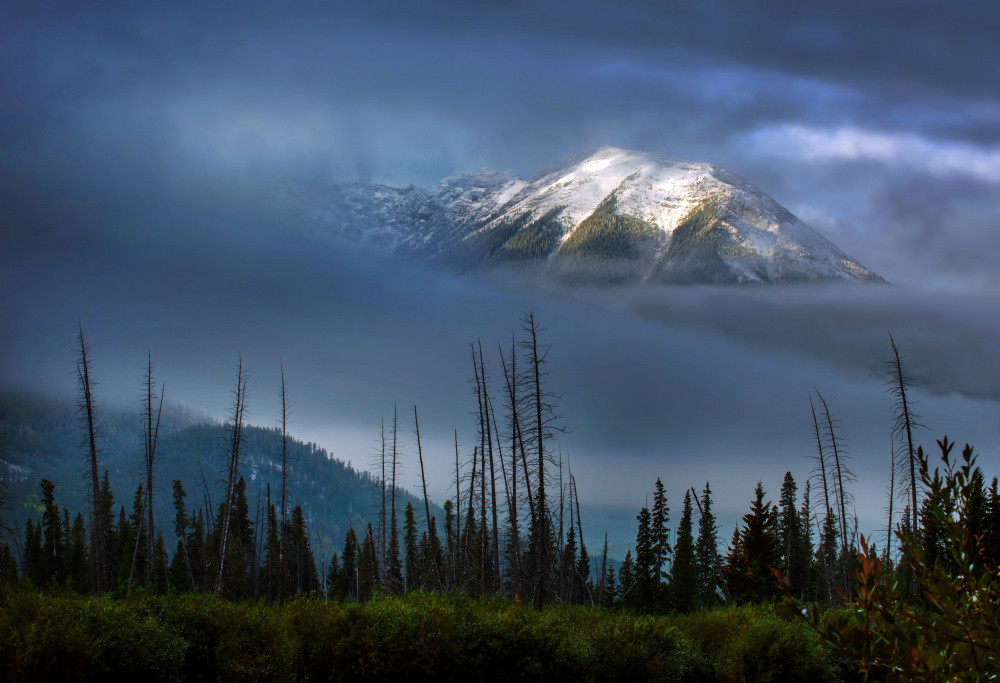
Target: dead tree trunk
(282,540)
(831,434)
(903,426)
(821,458)
(151,434)
(86,409)
(423,481)
(493,473)
(233,464)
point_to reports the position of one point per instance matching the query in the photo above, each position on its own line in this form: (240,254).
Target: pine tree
(347,586)
(271,569)
(31,564)
(645,571)
(706,552)
(568,565)
(609,594)
(806,549)
(368,570)
(333,576)
(626,581)
(684,588)
(77,562)
(789,536)
(754,552)
(51,564)
(660,536)
(410,558)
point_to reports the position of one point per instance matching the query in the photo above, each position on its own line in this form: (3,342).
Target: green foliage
(952,631)
(417,636)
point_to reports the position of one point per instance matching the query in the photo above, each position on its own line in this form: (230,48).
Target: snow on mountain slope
(615,216)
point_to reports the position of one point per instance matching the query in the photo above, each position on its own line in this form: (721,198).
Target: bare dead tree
(234,446)
(458,514)
(905,422)
(493,477)
(423,482)
(393,530)
(511,509)
(151,433)
(282,550)
(821,465)
(383,518)
(542,406)
(5,500)
(517,438)
(469,522)
(892,496)
(86,411)
(843,474)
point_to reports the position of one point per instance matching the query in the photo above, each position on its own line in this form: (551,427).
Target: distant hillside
(43,441)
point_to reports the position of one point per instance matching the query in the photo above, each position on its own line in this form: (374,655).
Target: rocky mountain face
(608,218)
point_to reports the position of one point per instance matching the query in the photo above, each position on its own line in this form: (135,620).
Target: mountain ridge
(610,217)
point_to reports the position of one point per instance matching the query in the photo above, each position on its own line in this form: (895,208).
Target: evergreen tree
(347,586)
(568,565)
(826,559)
(684,588)
(659,525)
(583,589)
(789,536)
(706,551)
(271,568)
(610,592)
(411,569)
(160,578)
(302,574)
(626,581)
(51,564)
(31,567)
(333,576)
(77,566)
(645,571)
(367,565)
(754,552)
(806,550)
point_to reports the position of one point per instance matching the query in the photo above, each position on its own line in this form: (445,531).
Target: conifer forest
(240,590)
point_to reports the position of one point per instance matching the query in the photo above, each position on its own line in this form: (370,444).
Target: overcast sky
(140,147)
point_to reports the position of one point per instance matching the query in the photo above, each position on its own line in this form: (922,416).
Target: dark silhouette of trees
(684,582)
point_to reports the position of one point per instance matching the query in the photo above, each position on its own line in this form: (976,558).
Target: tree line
(512,528)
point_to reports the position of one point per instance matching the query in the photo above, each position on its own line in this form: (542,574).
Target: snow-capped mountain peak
(614,216)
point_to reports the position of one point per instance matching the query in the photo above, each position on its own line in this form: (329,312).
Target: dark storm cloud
(139,146)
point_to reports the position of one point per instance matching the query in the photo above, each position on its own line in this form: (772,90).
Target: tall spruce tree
(706,551)
(684,578)
(789,535)
(659,525)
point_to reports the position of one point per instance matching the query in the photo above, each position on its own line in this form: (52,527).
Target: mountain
(42,440)
(608,218)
